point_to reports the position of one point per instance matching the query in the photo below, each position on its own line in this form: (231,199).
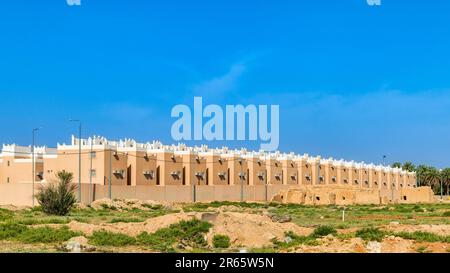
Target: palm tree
(434,178)
(396,165)
(422,173)
(445,176)
(409,166)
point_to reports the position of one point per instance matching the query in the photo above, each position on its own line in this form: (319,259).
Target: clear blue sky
(353,81)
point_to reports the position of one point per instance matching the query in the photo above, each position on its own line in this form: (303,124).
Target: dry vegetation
(136,226)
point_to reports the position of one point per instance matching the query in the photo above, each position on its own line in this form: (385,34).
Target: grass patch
(322,231)
(221,241)
(371,234)
(45,221)
(262,250)
(421,236)
(295,240)
(422,249)
(106,238)
(187,233)
(217,204)
(10,230)
(126,220)
(46,235)
(5,215)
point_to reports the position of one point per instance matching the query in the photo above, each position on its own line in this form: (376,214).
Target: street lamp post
(33,172)
(90,172)
(440,179)
(79,157)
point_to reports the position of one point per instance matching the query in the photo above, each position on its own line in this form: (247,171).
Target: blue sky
(353,81)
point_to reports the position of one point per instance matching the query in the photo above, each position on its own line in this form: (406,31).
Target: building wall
(217,169)
(238,165)
(274,172)
(290,171)
(257,171)
(20,170)
(332,174)
(171,164)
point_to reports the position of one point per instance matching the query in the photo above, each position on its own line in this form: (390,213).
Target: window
(7,180)
(93,154)
(157,175)
(93,173)
(9,163)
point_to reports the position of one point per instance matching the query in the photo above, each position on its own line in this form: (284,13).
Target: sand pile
(331,244)
(392,244)
(250,230)
(133,229)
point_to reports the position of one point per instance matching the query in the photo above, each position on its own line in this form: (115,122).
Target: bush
(446,214)
(5,214)
(296,240)
(58,198)
(106,238)
(126,220)
(371,234)
(188,233)
(422,236)
(322,231)
(221,241)
(46,235)
(10,230)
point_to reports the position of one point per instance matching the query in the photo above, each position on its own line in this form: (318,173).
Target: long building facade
(129,163)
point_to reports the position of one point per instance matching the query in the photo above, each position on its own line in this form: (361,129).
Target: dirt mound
(251,230)
(133,229)
(437,229)
(331,244)
(129,204)
(392,244)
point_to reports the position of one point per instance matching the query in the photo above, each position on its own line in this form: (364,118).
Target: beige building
(129,163)
(16,163)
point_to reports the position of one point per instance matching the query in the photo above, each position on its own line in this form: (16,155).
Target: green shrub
(295,240)
(46,235)
(221,241)
(58,198)
(422,236)
(10,230)
(422,249)
(188,233)
(322,231)
(45,221)
(446,214)
(126,220)
(106,238)
(5,214)
(371,234)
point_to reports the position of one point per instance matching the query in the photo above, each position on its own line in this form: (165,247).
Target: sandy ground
(245,228)
(443,230)
(133,229)
(251,230)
